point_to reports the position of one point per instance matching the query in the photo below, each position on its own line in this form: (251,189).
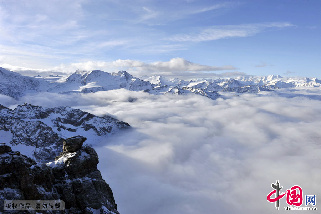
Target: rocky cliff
(73,177)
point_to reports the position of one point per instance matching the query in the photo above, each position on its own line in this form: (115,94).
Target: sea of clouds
(193,155)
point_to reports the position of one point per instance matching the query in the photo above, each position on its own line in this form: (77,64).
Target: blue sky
(185,37)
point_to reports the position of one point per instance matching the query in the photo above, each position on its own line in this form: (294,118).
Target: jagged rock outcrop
(45,128)
(73,144)
(22,179)
(73,177)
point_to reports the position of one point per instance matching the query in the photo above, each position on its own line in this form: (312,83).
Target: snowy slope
(15,85)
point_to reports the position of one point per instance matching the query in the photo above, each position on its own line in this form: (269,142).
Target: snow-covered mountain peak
(77,76)
(165,81)
(272,77)
(97,76)
(81,75)
(81,72)
(198,84)
(157,80)
(125,74)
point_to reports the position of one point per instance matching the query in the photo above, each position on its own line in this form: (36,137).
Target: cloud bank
(178,67)
(190,154)
(175,64)
(175,67)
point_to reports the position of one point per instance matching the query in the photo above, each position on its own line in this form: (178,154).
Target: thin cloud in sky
(34,20)
(262,65)
(148,14)
(163,14)
(214,7)
(70,23)
(228,31)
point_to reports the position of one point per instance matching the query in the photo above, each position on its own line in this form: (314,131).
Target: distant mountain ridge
(16,85)
(45,128)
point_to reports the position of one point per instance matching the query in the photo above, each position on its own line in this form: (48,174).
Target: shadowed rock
(4,148)
(73,144)
(73,177)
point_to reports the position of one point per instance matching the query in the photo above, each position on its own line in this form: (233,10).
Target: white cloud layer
(177,67)
(174,65)
(190,154)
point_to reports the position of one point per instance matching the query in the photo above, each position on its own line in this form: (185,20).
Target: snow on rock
(96,80)
(45,128)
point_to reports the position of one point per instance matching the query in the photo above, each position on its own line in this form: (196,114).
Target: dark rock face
(73,177)
(73,144)
(22,179)
(4,148)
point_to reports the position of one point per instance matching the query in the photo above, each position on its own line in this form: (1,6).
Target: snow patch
(62,160)
(24,149)
(5,136)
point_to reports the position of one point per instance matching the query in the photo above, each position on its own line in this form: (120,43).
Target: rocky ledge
(73,177)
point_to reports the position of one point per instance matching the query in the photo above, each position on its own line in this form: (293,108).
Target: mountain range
(16,85)
(43,129)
